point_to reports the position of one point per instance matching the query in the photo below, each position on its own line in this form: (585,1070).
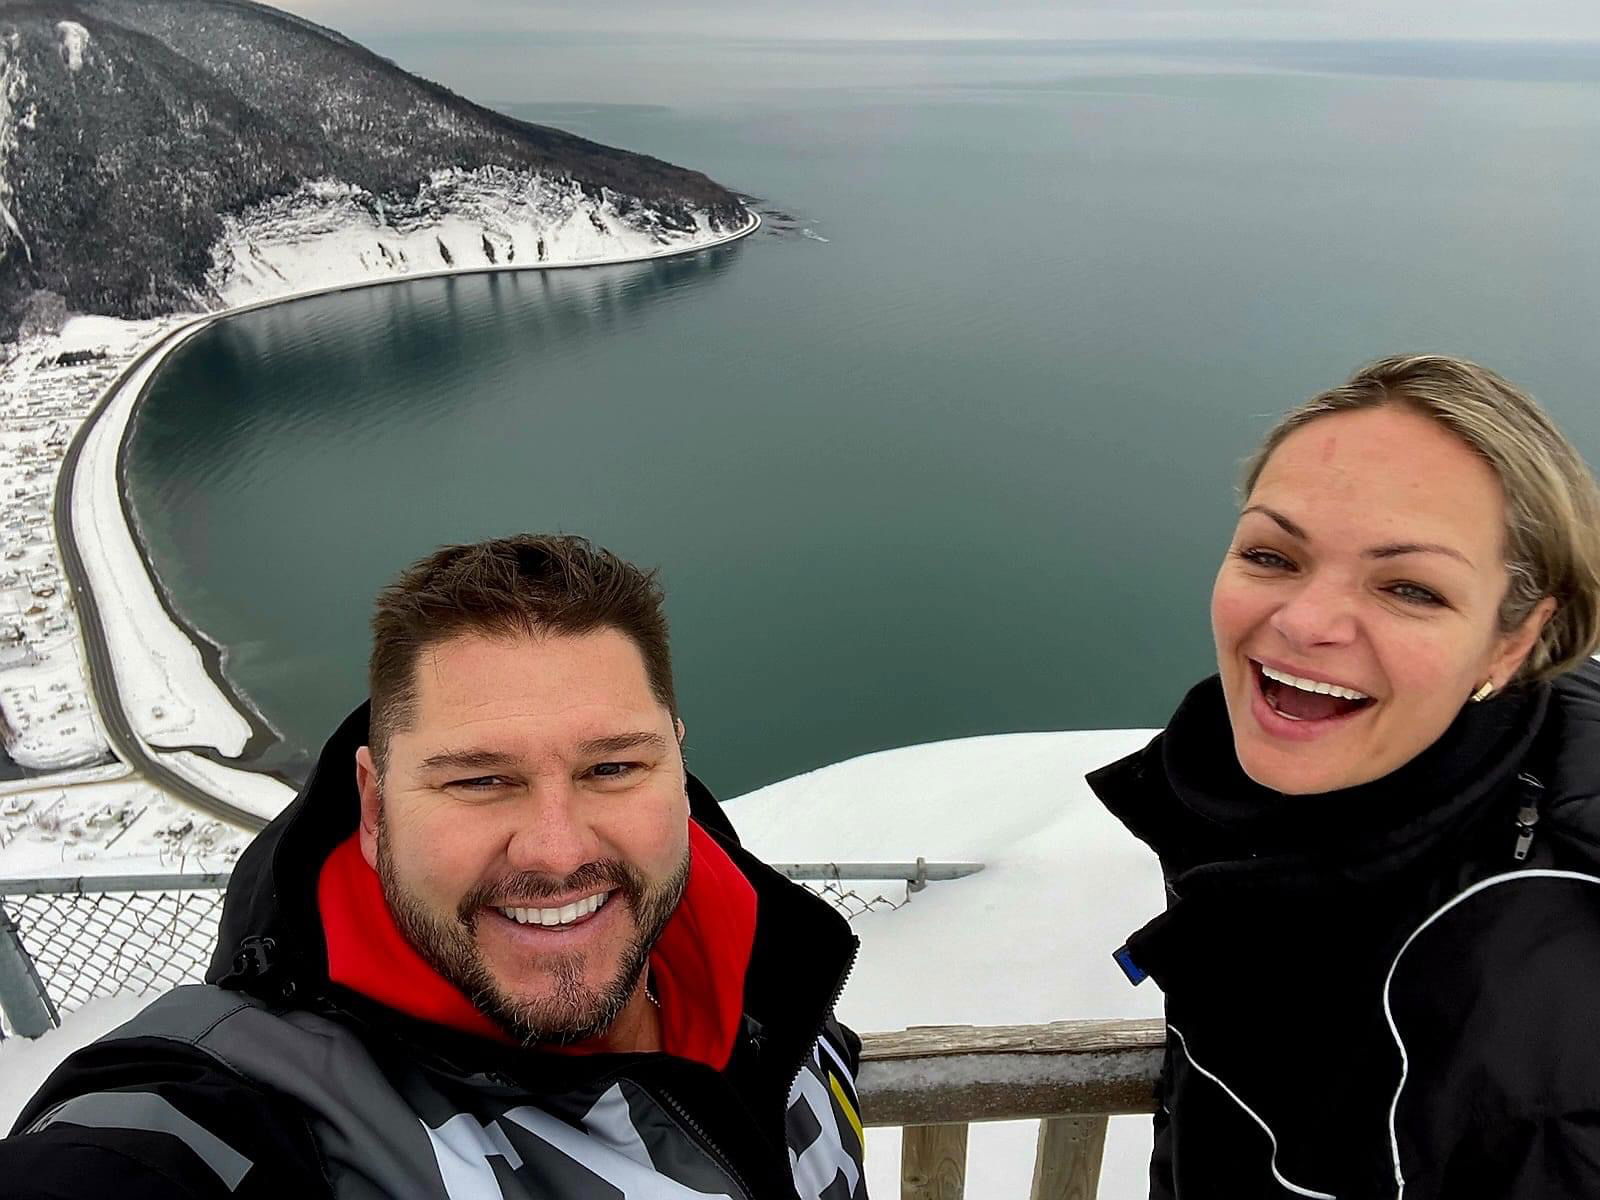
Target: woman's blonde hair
(1552,537)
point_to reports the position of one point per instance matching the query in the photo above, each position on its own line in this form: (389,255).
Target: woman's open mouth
(1295,698)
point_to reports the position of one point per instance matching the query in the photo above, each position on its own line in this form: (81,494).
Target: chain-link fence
(101,943)
(856,889)
(855,901)
(75,939)
(86,937)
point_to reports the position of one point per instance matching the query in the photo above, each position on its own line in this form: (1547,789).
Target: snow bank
(263,795)
(118,338)
(27,1064)
(329,234)
(1028,939)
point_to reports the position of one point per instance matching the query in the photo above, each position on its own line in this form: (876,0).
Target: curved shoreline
(108,695)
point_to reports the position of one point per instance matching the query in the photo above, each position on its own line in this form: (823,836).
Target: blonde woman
(1379,821)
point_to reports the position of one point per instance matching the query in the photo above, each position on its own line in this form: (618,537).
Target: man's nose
(551,835)
(1320,612)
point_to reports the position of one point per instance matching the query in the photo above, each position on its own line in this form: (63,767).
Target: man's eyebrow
(1283,522)
(616,742)
(467,760)
(1390,550)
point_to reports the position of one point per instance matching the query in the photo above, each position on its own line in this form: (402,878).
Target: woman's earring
(1484,692)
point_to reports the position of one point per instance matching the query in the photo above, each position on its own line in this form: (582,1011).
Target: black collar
(1187,796)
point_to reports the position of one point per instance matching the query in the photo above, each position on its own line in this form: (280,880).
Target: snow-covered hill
(148,148)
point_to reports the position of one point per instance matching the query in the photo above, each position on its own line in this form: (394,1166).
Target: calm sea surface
(954,454)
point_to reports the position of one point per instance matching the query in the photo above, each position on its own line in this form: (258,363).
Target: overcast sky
(1476,19)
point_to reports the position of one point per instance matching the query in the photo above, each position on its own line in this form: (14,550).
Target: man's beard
(570,1011)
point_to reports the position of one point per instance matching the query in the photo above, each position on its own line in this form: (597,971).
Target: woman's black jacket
(1370,993)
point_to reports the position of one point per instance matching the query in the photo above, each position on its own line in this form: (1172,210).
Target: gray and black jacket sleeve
(146,1119)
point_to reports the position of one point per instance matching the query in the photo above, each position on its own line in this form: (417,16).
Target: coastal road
(125,743)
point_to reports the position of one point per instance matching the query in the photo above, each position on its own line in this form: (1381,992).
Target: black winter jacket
(273,1082)
(1390,991)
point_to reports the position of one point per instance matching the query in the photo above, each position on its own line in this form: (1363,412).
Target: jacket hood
(272,940)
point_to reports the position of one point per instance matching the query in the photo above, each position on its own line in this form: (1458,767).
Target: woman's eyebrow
(1388,550)
(1396,549)
(1283,522)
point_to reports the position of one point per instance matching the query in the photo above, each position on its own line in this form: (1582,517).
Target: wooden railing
(1071,1076)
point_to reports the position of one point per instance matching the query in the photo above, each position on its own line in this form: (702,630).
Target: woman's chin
(1302,770)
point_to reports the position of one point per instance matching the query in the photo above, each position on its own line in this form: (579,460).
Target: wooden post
(1067,1166)
(933,1162)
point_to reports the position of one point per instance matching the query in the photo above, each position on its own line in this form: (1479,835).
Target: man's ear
(371,804)
(677,727)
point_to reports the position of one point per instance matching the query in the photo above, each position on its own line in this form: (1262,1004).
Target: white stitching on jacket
(1388,1014)
(1267,1129)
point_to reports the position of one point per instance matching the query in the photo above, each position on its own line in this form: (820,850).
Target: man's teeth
(564,915)
(1313,685)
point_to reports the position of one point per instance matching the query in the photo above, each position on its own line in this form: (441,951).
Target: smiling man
(501,945)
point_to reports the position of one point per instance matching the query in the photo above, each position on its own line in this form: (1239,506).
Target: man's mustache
(512,891)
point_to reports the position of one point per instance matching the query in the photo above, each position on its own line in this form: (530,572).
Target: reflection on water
(336,348)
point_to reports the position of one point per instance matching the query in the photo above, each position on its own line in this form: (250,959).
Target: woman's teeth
(1312,685)
(564,915)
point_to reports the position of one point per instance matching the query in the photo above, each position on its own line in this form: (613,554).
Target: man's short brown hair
(527,585)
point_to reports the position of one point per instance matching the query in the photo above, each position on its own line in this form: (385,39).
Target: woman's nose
(1318,613)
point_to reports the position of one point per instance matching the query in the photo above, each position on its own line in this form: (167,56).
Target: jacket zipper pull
(1527,817)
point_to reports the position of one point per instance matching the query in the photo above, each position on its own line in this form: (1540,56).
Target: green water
(965,466)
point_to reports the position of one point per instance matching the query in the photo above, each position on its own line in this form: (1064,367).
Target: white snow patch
(261,794)
(1026,940)
(118,338)
(329,234)
(74,41)
(24,1065)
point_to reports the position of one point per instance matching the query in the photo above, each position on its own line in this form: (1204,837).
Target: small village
(87,804)
(45,393)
